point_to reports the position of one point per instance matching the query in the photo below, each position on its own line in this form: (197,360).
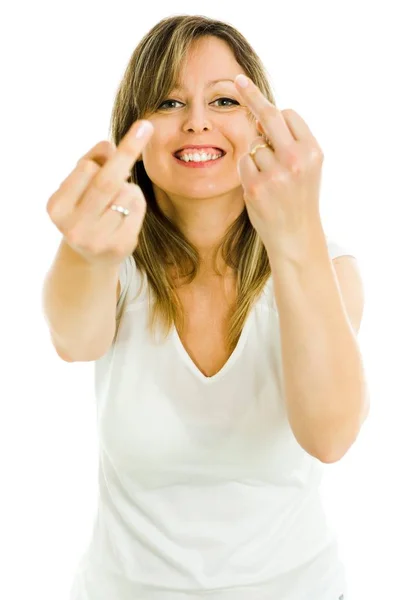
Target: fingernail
(242,81)
(143,128)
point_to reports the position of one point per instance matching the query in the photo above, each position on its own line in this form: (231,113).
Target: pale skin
(203,202)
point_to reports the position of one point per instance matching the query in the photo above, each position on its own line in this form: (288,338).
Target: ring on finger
(121,209)
(260,161)
(265,144)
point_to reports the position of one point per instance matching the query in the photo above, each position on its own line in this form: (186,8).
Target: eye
(163,107)
(233,102)
(167,103)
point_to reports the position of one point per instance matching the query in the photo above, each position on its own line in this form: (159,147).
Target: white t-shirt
(204,491)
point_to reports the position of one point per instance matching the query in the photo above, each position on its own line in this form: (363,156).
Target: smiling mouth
(199,164)
(216,155)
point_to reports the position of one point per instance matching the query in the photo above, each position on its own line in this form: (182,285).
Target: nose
(197,119)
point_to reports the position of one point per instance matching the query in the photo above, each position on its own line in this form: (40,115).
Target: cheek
(241,133)
(154,151)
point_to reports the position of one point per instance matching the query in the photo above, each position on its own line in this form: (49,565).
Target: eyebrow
(209,83)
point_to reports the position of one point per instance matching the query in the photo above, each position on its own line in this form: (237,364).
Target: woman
(210,454)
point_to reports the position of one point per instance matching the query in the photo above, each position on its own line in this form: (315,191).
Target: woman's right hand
(80,208)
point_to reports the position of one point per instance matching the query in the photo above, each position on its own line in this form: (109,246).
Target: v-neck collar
(231,360)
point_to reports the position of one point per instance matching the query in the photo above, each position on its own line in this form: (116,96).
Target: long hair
(150,75)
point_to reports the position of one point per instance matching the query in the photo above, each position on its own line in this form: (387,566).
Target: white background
(336,63)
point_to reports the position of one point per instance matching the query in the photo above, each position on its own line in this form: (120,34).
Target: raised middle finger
(109,179)
(270,117)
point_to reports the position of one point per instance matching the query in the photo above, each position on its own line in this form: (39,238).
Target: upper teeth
(199,157)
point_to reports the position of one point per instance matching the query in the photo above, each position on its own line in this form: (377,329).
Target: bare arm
(79,301)
(80,289)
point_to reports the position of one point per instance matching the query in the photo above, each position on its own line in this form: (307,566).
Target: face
(200,113)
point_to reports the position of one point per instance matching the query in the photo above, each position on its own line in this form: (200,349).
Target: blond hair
(150,75)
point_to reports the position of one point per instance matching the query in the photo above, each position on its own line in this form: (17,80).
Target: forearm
(324,381)
(79,305)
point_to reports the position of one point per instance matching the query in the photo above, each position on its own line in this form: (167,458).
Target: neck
(204,223)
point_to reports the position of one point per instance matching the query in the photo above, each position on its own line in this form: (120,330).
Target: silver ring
(121,209)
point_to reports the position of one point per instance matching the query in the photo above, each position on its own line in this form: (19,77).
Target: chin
(210,191)
(206,187)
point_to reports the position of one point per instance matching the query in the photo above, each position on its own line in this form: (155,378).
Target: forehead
(207,84)
(209,60)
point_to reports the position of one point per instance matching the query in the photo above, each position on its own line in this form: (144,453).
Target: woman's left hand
(281,184)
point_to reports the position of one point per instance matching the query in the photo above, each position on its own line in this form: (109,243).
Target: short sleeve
(339,248)
(126,274)
(336,247)
(133,285)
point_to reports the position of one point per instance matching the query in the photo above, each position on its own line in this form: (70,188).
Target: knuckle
(106,147)
(265,113)
(314,151)
(269,113)
(99,153)
(294,163)
(103,152)
(50,206)
(293,159)
(295,168)
(54,209)
(137,192)
(289,112)
(104,184)
(128,189)
(254,189)
(317,154)
(134,194)
(124,198)
(276,176)
(140,204)
(88,167)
